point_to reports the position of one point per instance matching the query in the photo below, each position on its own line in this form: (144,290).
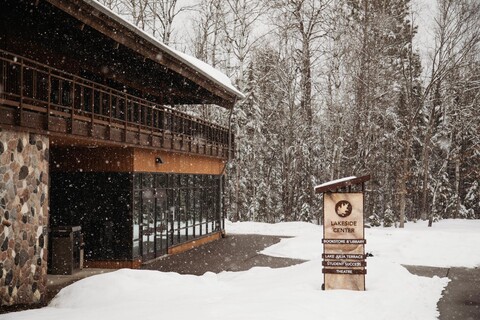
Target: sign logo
(343,208)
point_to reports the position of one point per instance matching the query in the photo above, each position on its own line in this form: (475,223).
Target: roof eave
(234,93)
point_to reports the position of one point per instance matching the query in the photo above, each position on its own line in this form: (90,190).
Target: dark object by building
(66,254)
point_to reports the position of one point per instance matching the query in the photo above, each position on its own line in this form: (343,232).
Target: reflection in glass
(137,209)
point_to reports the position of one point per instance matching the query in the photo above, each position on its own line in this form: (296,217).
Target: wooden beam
(194,243)
(113,264)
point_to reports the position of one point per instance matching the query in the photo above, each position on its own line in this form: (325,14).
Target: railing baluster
(139,121)
(72,111)
(92,110)
(151,125)
(20,114)
(60,93)
(162,126)
(126,116)
(4,79)
(110,107)
(49,98)
(100,107)
(82,99)
(34,84)
(109,130)
(197,133)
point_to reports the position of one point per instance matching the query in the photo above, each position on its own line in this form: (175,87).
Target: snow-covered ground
(287,293)
(449,243)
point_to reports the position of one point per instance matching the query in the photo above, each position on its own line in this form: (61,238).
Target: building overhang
(80,36)
(95,15)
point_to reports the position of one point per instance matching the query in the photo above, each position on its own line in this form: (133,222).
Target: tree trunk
(426,151)
(432,211)
(457,187)
(404,178)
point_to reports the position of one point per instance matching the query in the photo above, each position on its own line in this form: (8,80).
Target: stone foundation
(24,184)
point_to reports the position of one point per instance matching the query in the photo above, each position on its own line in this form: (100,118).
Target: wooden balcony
(43,99)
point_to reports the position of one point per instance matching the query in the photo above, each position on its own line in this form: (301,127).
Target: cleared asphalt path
(233,253)
(461,297)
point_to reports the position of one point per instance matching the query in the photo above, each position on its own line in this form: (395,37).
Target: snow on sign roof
(199,66)
(329,183)
(340,183)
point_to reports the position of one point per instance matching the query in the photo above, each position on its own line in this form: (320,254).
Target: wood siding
(117,159)
(102,159)
(144,161)
(116,264)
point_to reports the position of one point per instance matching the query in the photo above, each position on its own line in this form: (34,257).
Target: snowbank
(260,293)
(288,229)
(286,293)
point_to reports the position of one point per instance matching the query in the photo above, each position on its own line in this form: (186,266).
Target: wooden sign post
(344,265)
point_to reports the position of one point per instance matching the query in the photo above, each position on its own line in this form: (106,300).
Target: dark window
(173,208)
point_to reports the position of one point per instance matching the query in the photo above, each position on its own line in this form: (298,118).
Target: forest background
(337,88)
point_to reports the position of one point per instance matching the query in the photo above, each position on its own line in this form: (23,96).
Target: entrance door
(154,223)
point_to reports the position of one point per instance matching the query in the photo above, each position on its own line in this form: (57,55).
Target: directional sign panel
(344,241)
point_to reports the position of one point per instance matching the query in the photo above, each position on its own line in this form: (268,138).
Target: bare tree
(164,12)
(457,33)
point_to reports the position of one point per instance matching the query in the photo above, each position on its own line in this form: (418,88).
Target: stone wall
(23,217)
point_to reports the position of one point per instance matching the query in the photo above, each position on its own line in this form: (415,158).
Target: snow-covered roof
(209,72)
(333,185)
(329,183)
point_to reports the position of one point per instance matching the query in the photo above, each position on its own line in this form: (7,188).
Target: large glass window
(170,209)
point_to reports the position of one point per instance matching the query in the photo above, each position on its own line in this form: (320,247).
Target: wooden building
(89,138)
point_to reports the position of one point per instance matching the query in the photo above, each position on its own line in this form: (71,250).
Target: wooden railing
(49,99)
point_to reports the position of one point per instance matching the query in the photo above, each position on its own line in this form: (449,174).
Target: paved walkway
(461,297)
(233,253)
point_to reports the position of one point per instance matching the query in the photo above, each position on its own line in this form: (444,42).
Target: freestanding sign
(343,235)
(343,241)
